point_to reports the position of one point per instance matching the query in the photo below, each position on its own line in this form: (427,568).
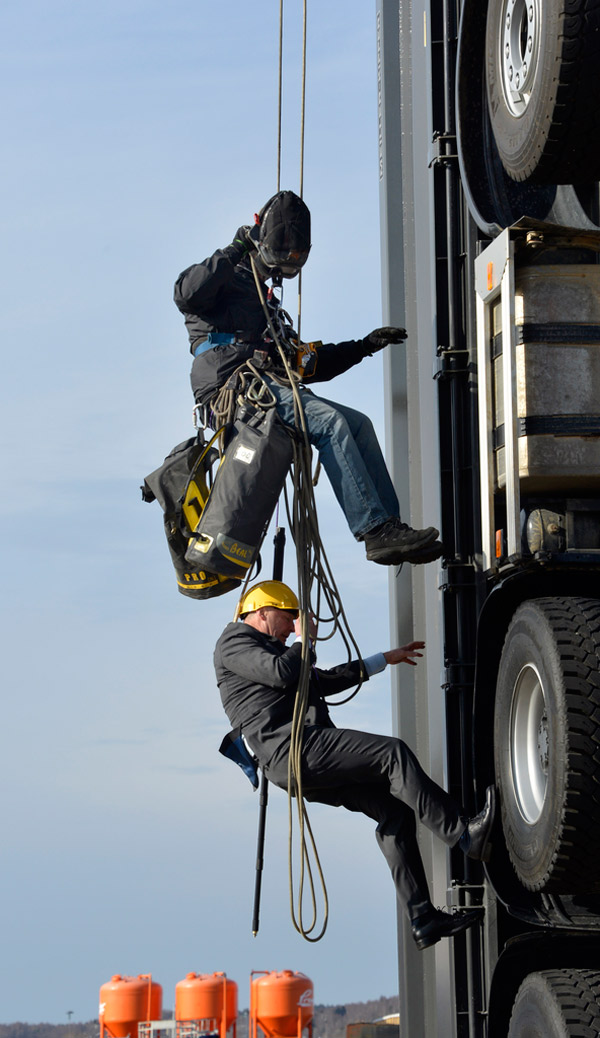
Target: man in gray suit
(374,774)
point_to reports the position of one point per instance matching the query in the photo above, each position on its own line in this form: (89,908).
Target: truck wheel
(542,61)
(547,744)
(557,1004)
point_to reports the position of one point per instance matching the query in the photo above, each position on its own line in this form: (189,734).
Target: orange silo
(281,1004)
(126,1002)
(209,1000)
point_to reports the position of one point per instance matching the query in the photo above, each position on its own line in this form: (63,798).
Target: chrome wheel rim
(529,743)
(519,42)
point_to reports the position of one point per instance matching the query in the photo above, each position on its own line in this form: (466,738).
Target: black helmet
(284,237)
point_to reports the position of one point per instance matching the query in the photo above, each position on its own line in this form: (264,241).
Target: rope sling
(313,569)
(314,574)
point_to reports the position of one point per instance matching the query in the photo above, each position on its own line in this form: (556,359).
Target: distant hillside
(89,1030)
(329,1022)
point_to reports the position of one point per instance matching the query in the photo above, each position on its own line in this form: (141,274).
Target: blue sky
(138,136)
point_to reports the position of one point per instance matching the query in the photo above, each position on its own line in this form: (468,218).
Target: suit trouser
(380,777)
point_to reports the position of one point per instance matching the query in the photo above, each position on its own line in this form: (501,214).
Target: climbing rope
(302,124)
(280,95)
(248,383)
(313,570)
(239,387)
(302,120)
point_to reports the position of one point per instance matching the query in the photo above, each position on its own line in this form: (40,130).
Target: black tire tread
(575,624)
(572,143)
(563,142)
(576,995)
(573,140)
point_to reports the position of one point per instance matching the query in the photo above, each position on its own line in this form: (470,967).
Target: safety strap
(214,339)
(196,492)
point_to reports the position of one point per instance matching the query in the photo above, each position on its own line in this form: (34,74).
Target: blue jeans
(350,454)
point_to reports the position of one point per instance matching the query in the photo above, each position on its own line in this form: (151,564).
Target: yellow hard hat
(267,593)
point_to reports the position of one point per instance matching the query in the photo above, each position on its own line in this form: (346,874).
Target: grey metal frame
(494,276)
(426,986)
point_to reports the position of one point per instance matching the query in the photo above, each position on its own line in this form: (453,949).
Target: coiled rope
(313,569)
(312,564)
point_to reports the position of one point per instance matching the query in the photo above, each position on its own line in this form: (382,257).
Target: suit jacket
(258,677)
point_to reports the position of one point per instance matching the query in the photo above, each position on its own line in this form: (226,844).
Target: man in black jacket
(226,323)
(376,775)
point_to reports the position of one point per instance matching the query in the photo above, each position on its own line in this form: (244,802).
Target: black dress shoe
(429,929)
(478,831)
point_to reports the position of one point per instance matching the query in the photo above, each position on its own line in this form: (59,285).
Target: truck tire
(542,61)
(557,1004)
(547,744)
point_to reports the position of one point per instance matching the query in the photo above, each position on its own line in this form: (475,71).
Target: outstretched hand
(405,653)
(382,337)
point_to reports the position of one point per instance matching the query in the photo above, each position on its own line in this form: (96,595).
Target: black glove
(247,236)
(381,338)
(244,240)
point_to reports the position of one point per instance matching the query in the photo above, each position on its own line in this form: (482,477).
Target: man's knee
(328,424)
(400,824)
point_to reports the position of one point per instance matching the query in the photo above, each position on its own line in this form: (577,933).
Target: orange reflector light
(498,544)
(490,276)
